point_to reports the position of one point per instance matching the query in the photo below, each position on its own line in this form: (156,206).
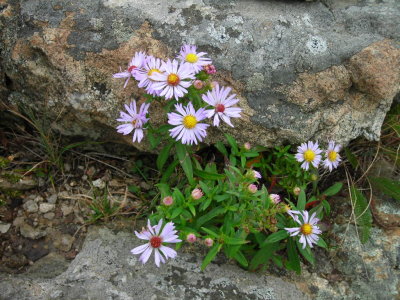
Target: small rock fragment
(46,207)
(52,199)
(49,215)
(30,232)
(30,206)
(4,227)
(64,242)
(66,210)
(99,183)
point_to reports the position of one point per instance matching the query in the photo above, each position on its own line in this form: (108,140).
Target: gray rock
(99,183)
(49,215)
(105,269)
(52,199)
(64,242)
(4,227)
(66,210)
(46,207)
(30,232)
(30,206)
(321,70)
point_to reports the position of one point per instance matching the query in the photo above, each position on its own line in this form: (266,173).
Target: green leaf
(362,213)
(176,212)
(154,141)
(205,204)
(221,148)
(233,144)
(210,215)
(210,232)
(168,172)
(333,190)
(322,243)
(301,202)
(234,241)
(275,237)
(208,175)
(351,158)
(192,209)
(306,252)
(210,255)
(263,255)
(293,262)
(204,187)
(241,259)
(185,161)
(326,206)
(387,186)
(163,156)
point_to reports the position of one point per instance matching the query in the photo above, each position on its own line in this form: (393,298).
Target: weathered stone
(66,210)
(21,185)
(46,207)
(106,269)
(30,206)
(99,183)
(321,70)
(49,215)
(30,232)
(52,199)
(63,242)
(4,227)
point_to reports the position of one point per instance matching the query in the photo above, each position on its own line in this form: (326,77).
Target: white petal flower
(308,153)
(308,229)
(333,158)
(156,239)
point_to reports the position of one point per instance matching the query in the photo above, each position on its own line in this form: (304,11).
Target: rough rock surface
(316,70)
(105,269)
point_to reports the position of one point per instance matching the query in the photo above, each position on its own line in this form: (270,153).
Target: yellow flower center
(151,71)
(192,58)
(173,79)
(306,229)
(332,155)
(134,122)
(309,155)
(189,121)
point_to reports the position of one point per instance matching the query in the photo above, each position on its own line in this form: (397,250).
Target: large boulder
(304,70)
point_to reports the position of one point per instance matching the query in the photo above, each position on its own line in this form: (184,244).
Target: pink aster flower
(308,228)
(189,55)
(308,153)
(174,80)
(197,194)
(333,158)
(134,65)
(168,201)
(218,98)
(156,239)
(133,120)
(150,66)
(187,127)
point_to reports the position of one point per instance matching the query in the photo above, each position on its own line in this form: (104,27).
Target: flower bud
(168,201)
(197,194)
(275,198)
(252,188)
(208,242)
(210,69)
(296,191)
(198,84)
(191,238)
(247,146)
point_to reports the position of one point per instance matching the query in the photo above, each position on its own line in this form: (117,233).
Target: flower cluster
(172,79)
(310,154)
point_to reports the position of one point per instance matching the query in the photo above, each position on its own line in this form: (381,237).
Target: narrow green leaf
(333,190)
(185,161)
(176,212)
(322,243)
(210,215)
(210,255)
(241,259)
(301,202)
(234,241)
(221,148)
(192,209)
(351,158)
(275,237)
(210,232)
(263,255)
(387,186)
(306,252)
(163,156)
(293,262)
(233,144)
(326,206)
(208,175)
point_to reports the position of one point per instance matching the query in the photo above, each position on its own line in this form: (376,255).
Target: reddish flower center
(155,242)
(173,79)
(131,68)
(220,108)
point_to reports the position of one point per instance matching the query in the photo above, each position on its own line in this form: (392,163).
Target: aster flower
(156,239)
(150,66)
(189,55)
(333,158)
(187,127)
(218,98)
(134,65)
(133,120)
(308,229)
(174,80)
(275,198)
(308,153)
(256,174)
